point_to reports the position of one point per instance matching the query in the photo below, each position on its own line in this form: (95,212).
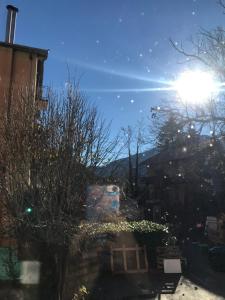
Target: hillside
(120,167)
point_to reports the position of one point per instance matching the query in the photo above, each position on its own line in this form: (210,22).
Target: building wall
(18,72)
(5,67)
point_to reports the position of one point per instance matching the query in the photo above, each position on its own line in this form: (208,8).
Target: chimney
(11,24)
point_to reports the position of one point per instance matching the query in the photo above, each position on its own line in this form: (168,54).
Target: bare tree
(209,118)
(48,158)
(209,52)
(128,134)
(135,138)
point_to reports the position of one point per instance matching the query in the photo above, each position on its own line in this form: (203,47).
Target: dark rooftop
(32,50)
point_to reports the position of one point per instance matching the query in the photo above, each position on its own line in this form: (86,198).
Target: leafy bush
(81,293)
(144,226)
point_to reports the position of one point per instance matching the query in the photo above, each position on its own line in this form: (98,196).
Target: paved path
(202,273)
(201,282)
(189,290)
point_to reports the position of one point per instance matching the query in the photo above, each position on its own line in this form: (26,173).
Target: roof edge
(38,51)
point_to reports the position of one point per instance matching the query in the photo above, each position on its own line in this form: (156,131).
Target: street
(202,272)
(200,281)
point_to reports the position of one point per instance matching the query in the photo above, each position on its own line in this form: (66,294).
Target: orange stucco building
(21,67)
(21,70)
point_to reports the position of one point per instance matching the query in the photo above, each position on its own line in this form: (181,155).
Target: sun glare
(195,86)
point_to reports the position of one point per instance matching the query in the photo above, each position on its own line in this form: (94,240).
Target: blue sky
(114,47)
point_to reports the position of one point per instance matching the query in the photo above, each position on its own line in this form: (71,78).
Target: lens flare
(196,86)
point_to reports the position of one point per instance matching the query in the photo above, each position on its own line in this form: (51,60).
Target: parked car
(217,258)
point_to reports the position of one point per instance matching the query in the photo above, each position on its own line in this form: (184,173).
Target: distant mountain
(120,167)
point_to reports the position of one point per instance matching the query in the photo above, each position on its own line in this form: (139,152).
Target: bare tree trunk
(130,172)
(137,170)
(54,262)
(61,262)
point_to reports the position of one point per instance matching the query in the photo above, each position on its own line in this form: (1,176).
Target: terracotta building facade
(21,67)
(21,74)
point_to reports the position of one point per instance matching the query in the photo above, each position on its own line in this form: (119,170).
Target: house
(21,74)
(179,185)
(21,68)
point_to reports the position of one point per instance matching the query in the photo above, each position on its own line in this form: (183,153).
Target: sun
(195,87)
